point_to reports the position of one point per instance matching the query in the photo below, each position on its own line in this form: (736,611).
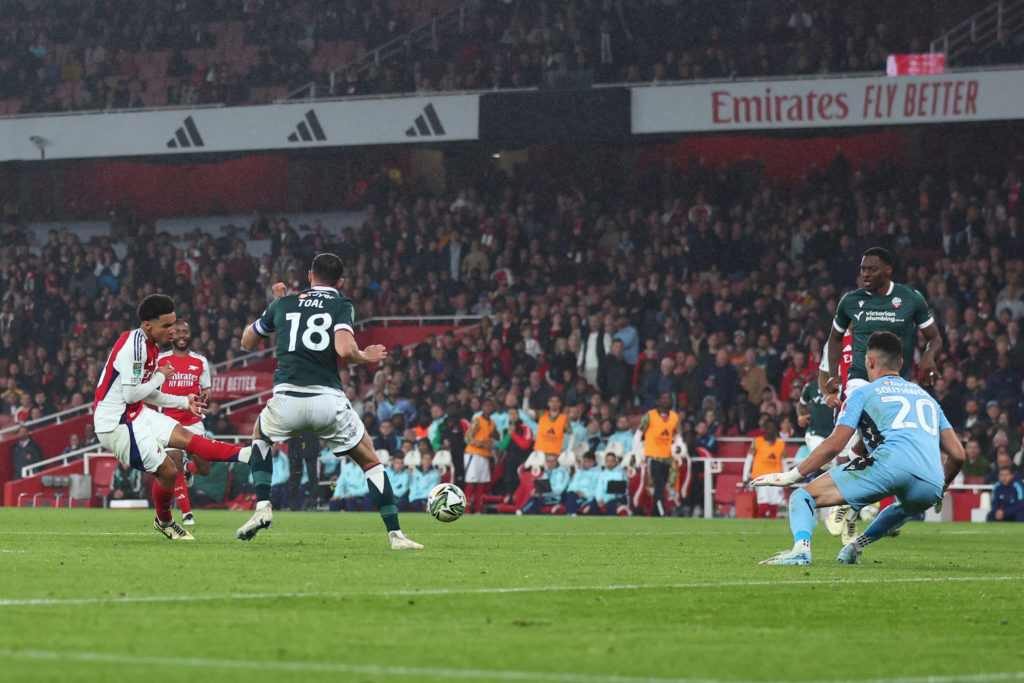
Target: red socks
(181,494)
(191,467)
(162,499)
(475,497)
(214,451)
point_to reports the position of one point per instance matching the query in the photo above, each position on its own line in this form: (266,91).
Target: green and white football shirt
(902,311)
(305,324)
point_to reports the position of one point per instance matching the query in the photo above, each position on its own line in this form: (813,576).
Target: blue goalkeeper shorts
(868,480)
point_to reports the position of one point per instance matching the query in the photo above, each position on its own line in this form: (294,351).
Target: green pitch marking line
(47,602)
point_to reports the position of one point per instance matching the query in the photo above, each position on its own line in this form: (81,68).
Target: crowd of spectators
(102,55)
(712,284)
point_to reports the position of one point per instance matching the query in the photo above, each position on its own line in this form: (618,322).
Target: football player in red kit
(191,376)
(138,435)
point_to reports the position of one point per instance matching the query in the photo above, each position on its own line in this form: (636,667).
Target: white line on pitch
(439,673)
(47,602)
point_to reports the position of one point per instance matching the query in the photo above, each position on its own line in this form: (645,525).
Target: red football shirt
(191,375)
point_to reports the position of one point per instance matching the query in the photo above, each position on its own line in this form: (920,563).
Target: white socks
(802,547)
(375,475)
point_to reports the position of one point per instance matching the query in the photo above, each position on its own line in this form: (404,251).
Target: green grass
(499,598)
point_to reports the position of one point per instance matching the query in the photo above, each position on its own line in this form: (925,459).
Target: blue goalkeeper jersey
(900,423)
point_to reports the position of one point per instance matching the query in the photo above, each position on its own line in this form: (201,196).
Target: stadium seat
(522,492)
(726,488)
(568,460)
(443,460)
(102,470)
(535,462)
(412,459)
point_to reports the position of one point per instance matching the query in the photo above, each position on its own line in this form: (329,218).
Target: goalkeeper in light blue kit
(913,453)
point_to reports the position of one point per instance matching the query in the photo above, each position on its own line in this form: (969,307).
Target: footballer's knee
(167,473)
(176,457)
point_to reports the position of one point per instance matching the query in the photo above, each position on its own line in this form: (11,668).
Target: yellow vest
(550,433)
(659,434)
(767,458)
(484,432)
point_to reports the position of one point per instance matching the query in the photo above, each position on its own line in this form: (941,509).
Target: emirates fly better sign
(828,102)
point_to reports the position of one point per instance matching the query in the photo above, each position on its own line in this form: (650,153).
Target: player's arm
(638,436)
(346,347)
(748,463)
(205,382)
(130,364)
(803,409)
(933,344)
(832,381)
(953,450)
(826,451)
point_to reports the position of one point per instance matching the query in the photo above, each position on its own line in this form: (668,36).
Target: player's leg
(659,478)
(913,496)
(186,469)
(270,427)
(380,487)
(136,444)
(803,503)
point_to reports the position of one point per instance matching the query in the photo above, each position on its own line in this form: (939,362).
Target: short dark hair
(883,254)
(154,306)
(327,268)
(888,347)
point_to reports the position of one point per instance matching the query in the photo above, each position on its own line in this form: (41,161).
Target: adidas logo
(664,432)
(186,136)
(303,131)
(550,432)
(421,128)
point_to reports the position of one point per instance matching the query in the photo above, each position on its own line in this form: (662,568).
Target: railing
(62,459)
(419,34)
(467,320)
(981,30)
(86,408)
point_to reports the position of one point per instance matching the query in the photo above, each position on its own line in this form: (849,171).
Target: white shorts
(847,452)
(478,468)
(770,495)
(140,443)
(813,441)
(328,415)
(197,428)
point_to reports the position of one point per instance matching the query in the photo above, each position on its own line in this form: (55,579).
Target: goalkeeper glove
(787,478)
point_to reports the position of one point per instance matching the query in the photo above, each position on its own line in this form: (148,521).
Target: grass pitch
(99,595)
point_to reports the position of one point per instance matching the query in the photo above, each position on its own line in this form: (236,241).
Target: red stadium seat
(102,470)
(726,488)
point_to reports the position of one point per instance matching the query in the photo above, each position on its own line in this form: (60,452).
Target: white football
(446,502)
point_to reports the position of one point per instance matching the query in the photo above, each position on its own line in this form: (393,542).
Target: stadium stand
(686,266)
(241,52)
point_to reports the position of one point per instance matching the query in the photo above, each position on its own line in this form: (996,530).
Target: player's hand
(803,419)
(375,353)
(166,370)
(926,374)
(832,401)
(832,384)
(279,289)
(787,478)
(196,406)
